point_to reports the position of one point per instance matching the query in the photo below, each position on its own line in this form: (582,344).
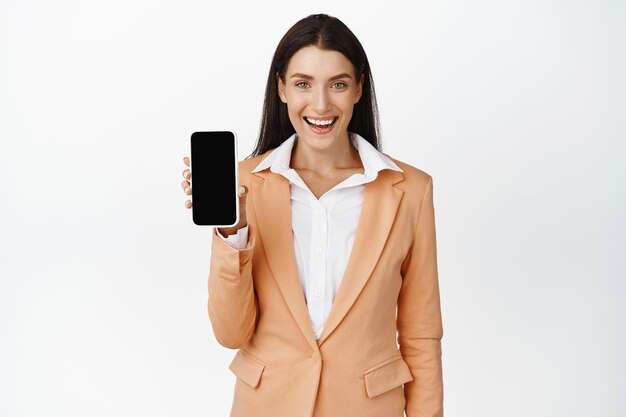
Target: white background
(516,108)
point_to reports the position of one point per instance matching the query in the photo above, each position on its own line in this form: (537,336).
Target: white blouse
(324,229)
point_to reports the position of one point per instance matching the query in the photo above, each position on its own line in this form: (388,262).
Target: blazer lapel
(272,205)
(378,212)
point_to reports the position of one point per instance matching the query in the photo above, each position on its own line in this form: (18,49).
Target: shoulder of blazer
(246,166)
(415,179)
(416,185)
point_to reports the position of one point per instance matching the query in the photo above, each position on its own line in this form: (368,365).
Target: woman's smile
(321,126)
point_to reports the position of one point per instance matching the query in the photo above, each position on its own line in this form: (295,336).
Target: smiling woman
(321,91)
(328,287)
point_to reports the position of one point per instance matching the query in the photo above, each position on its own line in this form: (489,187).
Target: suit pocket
(386,376)
(247,368)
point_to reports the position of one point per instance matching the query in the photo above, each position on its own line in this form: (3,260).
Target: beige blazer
(356,368)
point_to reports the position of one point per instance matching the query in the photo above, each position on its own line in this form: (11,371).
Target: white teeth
(320,122)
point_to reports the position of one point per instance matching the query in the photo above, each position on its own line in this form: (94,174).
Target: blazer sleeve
(419,317)
(232,301)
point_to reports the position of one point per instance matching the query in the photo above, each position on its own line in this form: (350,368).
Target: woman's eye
(340,84)
(302,84)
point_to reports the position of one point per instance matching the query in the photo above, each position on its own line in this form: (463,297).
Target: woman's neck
(325,162)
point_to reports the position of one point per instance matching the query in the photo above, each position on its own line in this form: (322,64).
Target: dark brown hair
(325,32)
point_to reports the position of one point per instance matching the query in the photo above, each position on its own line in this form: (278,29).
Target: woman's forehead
(320,63)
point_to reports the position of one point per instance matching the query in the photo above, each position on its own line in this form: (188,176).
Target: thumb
(242,193)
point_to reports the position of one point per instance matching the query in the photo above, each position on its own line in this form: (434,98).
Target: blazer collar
(271,198)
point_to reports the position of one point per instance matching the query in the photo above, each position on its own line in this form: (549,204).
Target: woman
(333,263)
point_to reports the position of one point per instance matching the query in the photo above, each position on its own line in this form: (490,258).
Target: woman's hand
(186,186)
(242,193)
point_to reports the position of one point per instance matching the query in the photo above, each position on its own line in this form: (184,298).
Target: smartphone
(214,178)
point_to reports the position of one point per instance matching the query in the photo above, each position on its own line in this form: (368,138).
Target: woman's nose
(321,101)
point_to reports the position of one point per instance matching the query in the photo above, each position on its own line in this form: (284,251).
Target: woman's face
(320,91)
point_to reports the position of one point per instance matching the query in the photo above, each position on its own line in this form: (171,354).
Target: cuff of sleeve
(238,240)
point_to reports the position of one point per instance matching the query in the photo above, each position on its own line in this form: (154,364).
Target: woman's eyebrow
(310,77)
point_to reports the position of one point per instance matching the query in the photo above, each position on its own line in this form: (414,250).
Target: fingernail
(242,189)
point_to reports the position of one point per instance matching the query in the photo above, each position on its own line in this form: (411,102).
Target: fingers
(186,187)
(187,172)
(187,190)
(185,184)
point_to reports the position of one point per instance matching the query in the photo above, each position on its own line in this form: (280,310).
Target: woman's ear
(281,89)
(359,91)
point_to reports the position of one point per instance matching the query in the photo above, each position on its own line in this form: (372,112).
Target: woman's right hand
(242,193)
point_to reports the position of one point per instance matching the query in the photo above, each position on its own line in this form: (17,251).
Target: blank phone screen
(214,178)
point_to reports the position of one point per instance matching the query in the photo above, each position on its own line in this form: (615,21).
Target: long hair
(325,32)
